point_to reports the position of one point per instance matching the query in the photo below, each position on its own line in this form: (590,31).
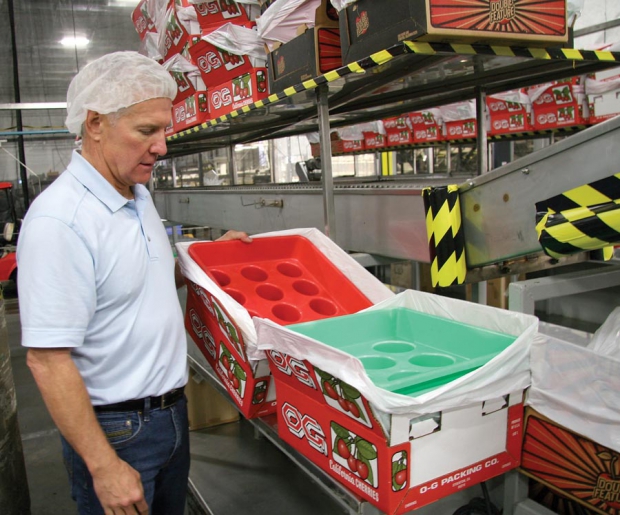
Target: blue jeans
(155,442)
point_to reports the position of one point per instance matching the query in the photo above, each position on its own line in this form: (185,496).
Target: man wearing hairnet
(98,303)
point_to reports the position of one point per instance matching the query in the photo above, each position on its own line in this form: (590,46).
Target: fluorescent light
(74,42)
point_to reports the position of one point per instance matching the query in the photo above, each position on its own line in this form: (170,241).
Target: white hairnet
(113,82)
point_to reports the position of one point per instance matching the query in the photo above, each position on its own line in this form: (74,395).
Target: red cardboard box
(218,313)
(175,35)
(396,123)
(426,126)
(352,145)
(461,129)
(189,112)
(402,137)
(507,116)
(571,464)
(214,13)
(558,104)
(374,140)
(142,20)
(405,458)
(238,92)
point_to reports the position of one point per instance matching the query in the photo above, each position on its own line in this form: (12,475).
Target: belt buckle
(166,398)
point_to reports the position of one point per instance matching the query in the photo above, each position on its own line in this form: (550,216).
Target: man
(98,302)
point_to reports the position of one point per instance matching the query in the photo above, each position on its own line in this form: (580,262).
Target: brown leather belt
(160,402)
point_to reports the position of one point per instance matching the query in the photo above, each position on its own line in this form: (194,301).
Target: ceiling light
(74,42)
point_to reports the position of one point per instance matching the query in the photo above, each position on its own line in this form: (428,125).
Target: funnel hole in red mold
(286,312)
(432,360)
(269,292)
(254,273)
(305,288)
(237,295)
(289,269)
(323,307)
(221,278)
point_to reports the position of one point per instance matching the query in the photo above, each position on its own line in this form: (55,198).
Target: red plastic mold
(283,278)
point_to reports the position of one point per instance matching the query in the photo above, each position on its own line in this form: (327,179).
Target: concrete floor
(47,478)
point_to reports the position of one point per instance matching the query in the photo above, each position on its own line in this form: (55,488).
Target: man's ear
(92,124)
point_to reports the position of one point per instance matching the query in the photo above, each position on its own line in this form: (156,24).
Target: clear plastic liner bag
(282,19)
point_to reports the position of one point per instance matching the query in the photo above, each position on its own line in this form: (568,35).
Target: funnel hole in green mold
(221,278)
(289,269)
(432,360)
(393,347)
(286,312)
(323,307)
(269,292)
(305,288)
(237,295)
(377,362)
(254,273)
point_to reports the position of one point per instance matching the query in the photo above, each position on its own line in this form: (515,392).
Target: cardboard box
(606,104)
(396,123)
(558,104)
(191,111)
(571,464)
(460,129)
(402,137)
(206,407)
(314,52)
(214,313)
(367,26)
(142,20)
(396,453)
(374,140)
(426,126)
(218,66)
(238,92)
(215,13)
(396,474)
(506,116)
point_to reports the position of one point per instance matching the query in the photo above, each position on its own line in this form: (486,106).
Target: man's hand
(235,235)
(119,489)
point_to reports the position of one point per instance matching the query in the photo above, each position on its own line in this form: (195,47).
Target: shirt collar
(96,183)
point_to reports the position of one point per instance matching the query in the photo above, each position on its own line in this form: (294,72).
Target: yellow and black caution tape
(582,219)
(411,47)
(444,229)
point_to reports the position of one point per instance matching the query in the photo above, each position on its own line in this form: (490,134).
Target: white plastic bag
(279,23)
(577,388)
(339,5)
(458,111)
(505,373)
(606,340)
(238,40)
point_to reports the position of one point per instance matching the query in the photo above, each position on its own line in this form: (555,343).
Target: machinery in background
(8,239)
(309,170)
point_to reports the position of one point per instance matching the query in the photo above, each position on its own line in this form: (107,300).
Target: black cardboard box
(310,54)
(367,26)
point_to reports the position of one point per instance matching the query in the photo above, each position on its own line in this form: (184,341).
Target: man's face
(130,143)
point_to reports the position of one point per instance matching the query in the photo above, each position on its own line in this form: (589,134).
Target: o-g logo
(221,98)
(208,62)
(179,113)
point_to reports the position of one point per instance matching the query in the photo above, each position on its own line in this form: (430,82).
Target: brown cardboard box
(570,464)
(206,407)
(367,26)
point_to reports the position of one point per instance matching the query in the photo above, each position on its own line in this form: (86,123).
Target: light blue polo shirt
(96,274)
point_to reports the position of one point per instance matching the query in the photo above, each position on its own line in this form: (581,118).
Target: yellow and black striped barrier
(581,219)
(445,235)
(411,47)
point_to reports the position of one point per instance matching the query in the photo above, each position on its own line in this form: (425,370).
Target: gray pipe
(14,495)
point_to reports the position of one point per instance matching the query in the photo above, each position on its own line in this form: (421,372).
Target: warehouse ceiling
(45,67)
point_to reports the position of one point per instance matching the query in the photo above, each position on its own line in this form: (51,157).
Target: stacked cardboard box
(558,104)
(426,126)
(509,113)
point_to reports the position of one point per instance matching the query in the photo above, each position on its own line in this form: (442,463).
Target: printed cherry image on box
(286,276)
(407,401)
(459,120)
(509,112)
(426,125)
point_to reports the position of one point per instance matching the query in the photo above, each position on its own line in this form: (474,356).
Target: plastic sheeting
(369,285)
(578,387)
(280,22)
(505,373)
(239,41)
(339,5)
(458,111)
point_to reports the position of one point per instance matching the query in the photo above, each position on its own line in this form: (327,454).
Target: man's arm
(117,484)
